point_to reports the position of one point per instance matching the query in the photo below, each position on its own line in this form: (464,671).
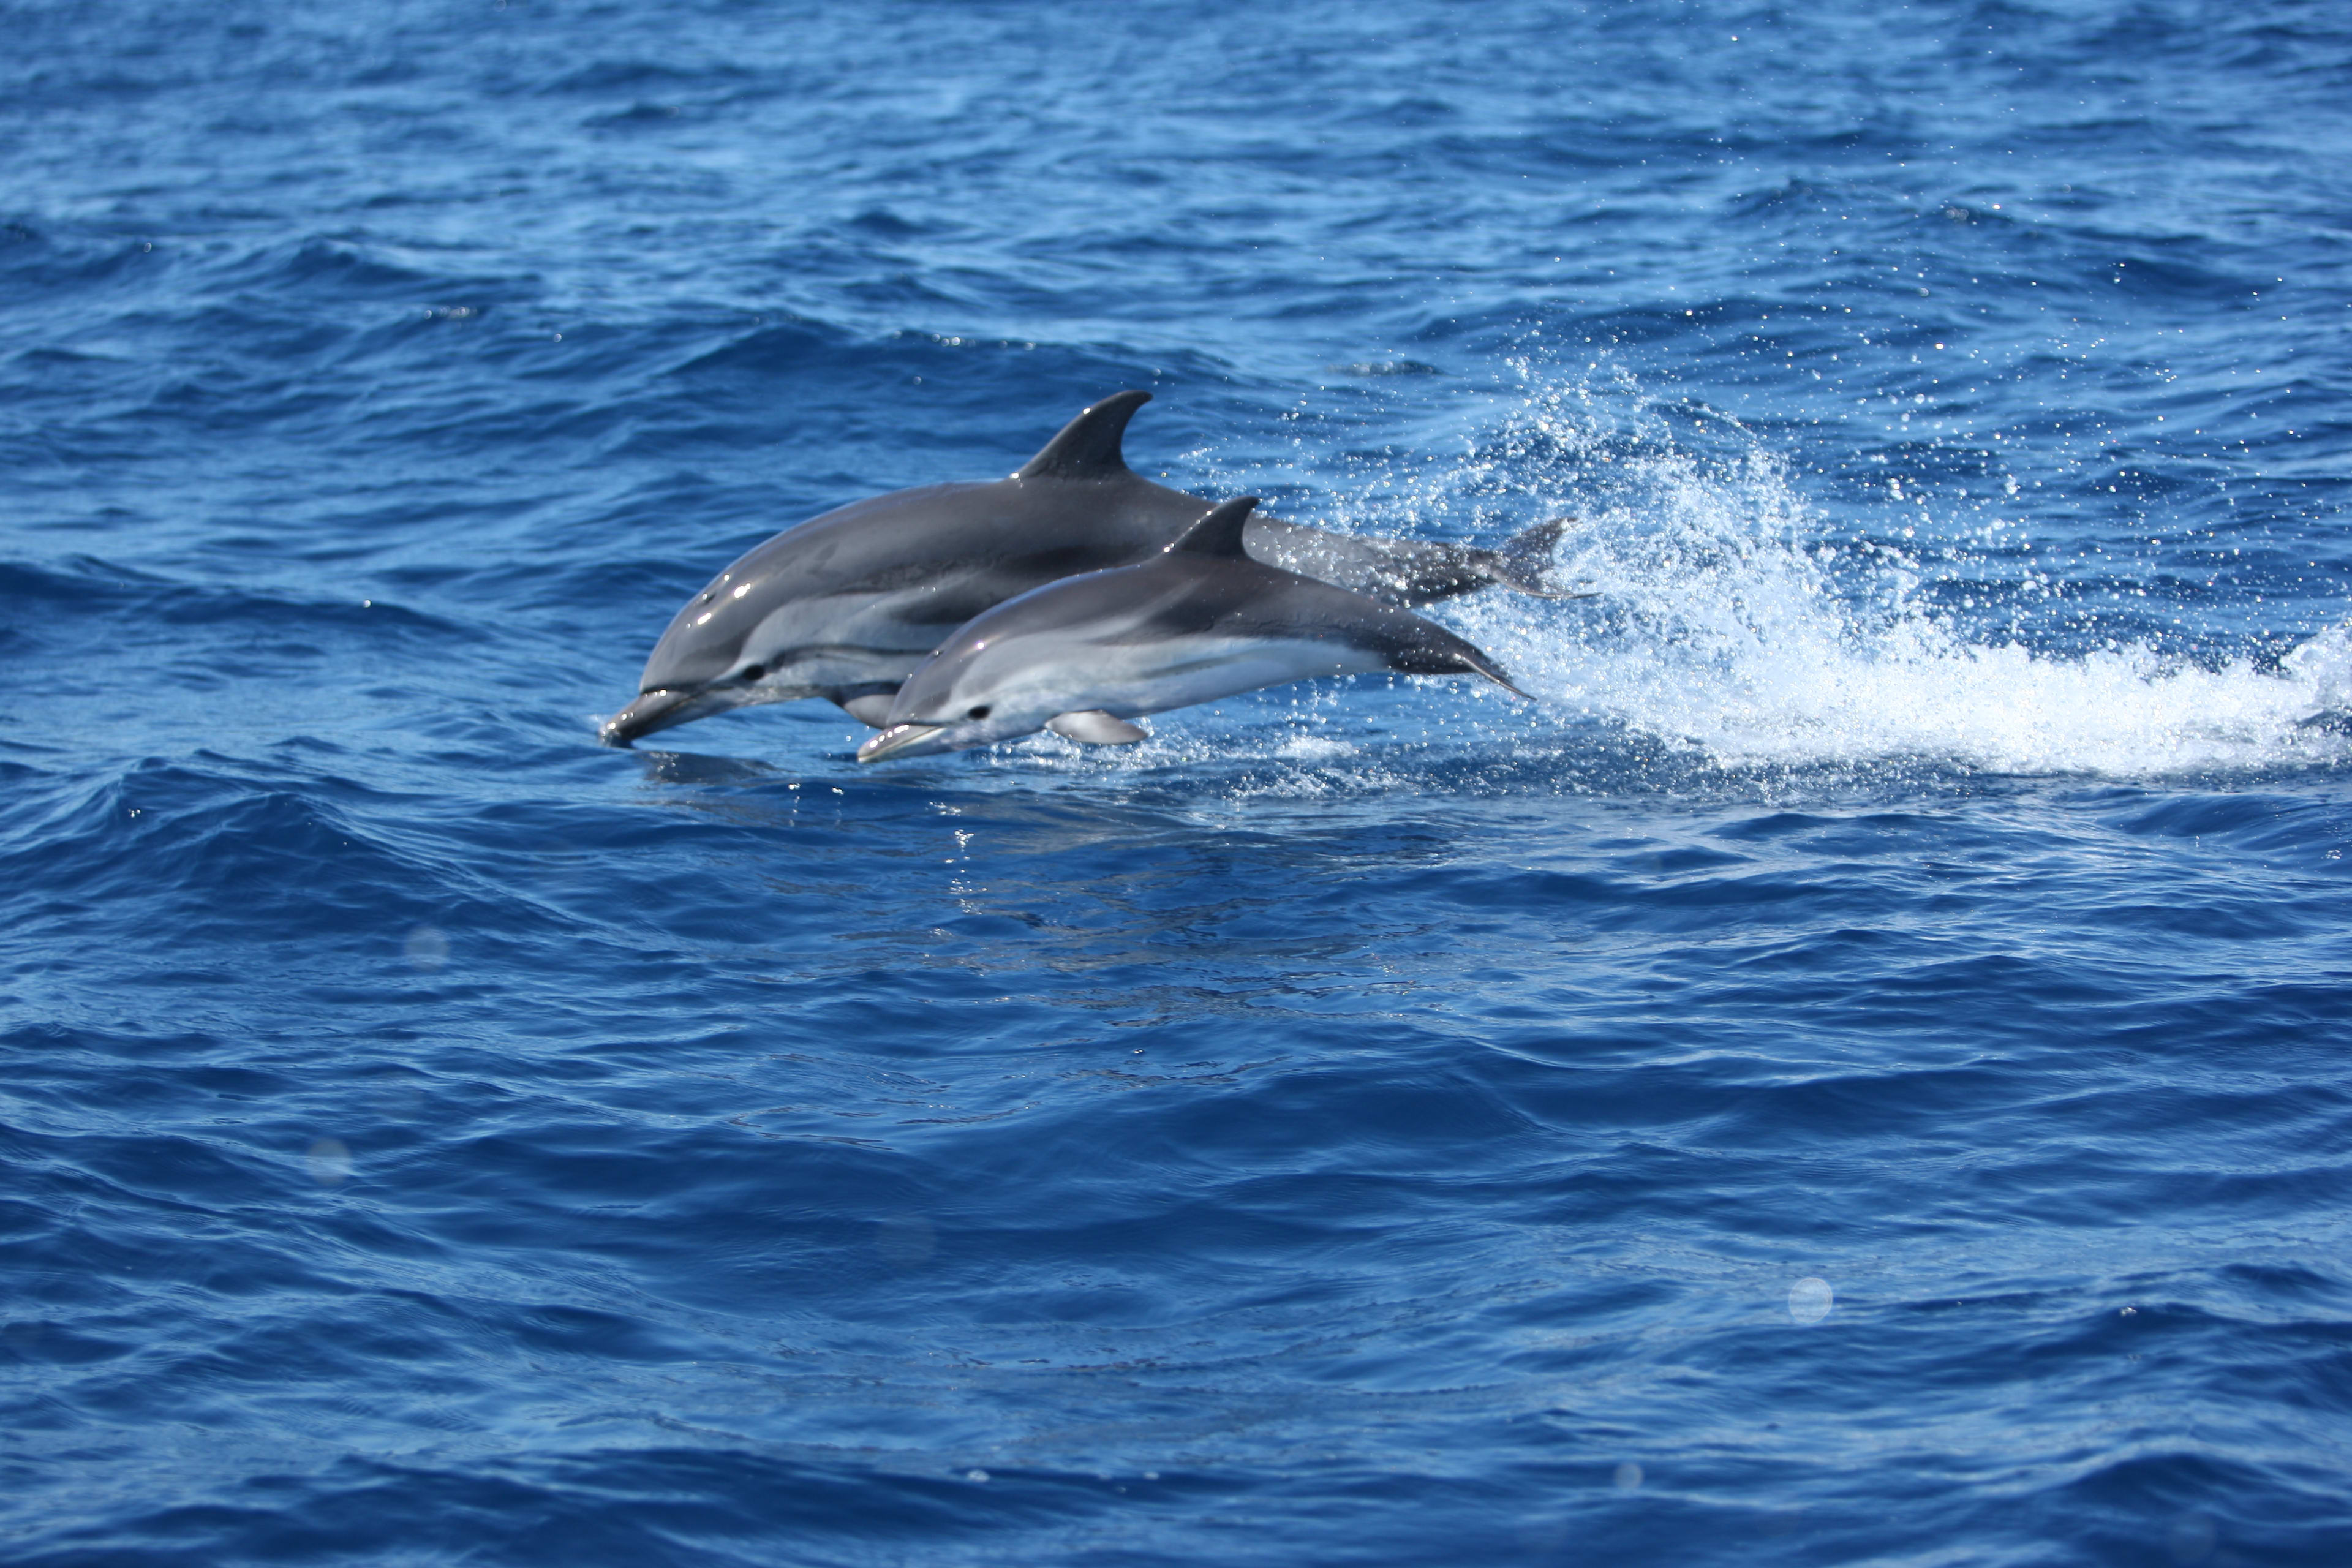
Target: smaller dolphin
(1200,621)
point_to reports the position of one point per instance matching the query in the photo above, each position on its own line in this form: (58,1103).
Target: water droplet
(1810,1299)
(328,1161)
(427,947)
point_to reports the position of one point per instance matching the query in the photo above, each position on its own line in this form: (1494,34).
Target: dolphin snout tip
(901,741)
(651,710)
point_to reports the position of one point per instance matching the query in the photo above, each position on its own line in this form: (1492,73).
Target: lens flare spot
(329,1162)
(1810,1299)
(428,949)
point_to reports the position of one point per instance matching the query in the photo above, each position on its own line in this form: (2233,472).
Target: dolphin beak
(903,740)
(652,710)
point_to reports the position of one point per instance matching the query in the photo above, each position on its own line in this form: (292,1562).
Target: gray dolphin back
(1233,595)
(1207,584)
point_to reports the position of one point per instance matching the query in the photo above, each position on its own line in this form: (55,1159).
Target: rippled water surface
(1856,1073)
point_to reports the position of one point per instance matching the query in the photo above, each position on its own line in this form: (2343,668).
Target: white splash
(1729,626)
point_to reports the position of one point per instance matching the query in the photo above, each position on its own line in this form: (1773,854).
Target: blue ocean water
(1857,1074)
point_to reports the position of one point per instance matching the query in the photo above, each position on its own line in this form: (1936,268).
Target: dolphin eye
(753,671)
(978,713)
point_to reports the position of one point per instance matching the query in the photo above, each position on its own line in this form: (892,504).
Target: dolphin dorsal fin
(1087,447)
(1220,532)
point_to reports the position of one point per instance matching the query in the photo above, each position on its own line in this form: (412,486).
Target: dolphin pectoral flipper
(1088,446)
(871,710)
(1093,727)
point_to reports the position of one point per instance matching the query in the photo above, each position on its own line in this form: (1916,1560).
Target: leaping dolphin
(1085,655)
(847,604)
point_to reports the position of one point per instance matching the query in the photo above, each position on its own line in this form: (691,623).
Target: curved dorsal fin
(1220,532)
(1087,447)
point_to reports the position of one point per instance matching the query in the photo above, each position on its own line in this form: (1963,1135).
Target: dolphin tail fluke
(1524,562)
(1437,651)
(1088,445)
(1494,672)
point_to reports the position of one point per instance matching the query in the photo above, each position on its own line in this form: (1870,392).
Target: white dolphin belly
(1131,679)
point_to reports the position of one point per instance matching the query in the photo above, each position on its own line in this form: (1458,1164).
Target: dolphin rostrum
(1201,620)
(847,604)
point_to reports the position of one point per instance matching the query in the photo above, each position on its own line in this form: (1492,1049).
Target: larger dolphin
(1201,621)
(847,604)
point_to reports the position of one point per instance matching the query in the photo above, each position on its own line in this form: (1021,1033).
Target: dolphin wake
(1739,623)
